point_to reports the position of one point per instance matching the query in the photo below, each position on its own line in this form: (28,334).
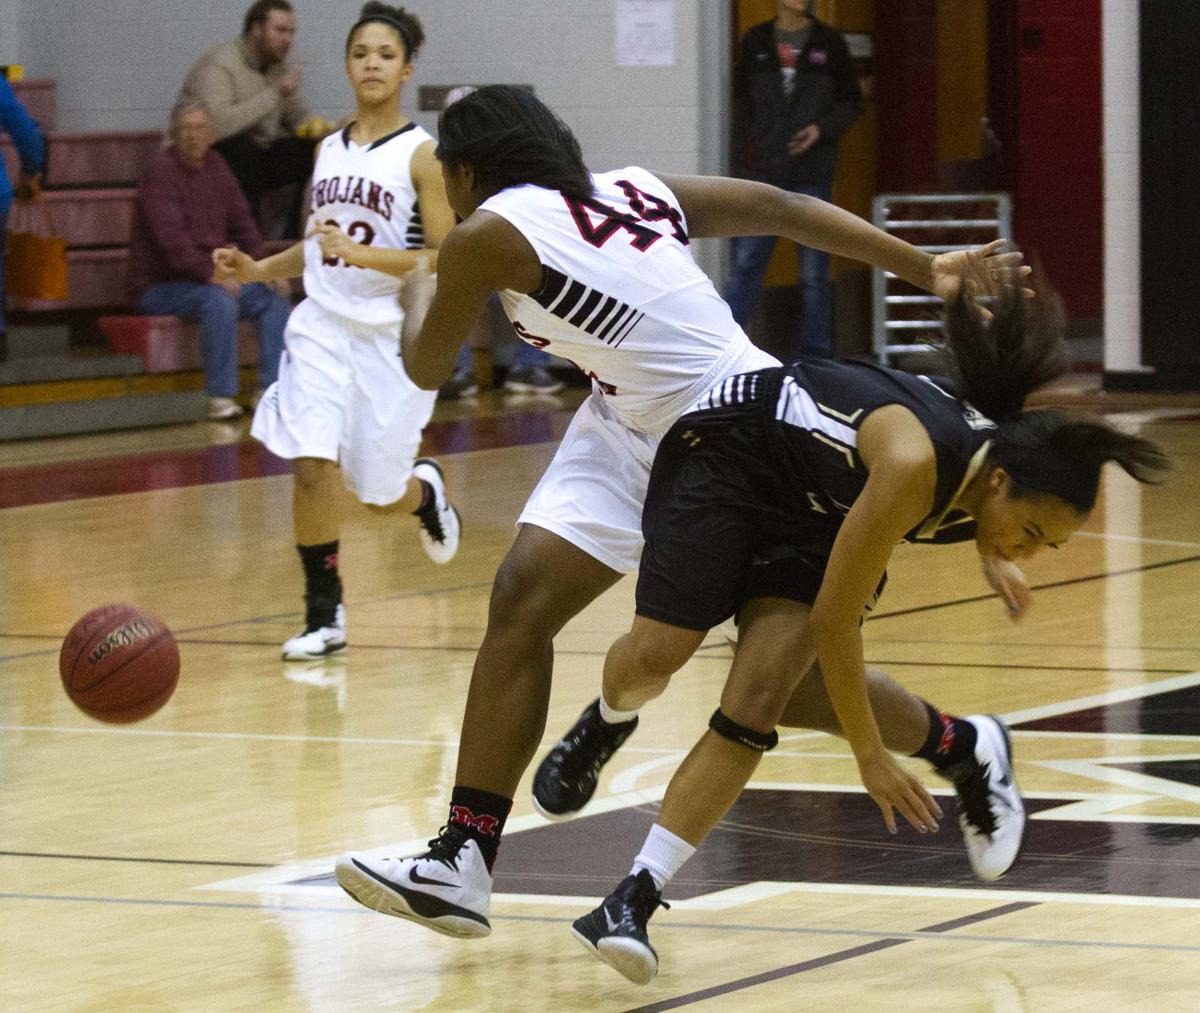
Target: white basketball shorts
(343,395)
(592,493)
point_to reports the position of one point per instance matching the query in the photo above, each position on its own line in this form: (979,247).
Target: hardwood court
(185,863)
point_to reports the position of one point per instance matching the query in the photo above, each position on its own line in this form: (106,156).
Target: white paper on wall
(645,33)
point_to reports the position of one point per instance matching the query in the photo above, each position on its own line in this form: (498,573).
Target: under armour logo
(331,561)
(463,816)
(691,438)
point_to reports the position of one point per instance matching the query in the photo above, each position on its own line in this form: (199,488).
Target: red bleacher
(89,200)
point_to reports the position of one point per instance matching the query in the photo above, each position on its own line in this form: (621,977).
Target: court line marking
(787,971)
(127,858)
(1051,710)
(800,930)
(1113,537)
(1035,587)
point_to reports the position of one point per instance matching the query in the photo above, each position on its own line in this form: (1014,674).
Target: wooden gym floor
(185,863)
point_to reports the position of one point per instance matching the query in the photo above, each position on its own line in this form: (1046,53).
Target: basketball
(119,664)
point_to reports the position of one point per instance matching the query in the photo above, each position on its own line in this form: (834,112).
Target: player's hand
(804,139)
(283,287)
(232,265)
(984,270)
(334,242)
(1008,581)
(895,790)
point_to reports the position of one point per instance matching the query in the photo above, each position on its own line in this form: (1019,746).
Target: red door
(1057,202)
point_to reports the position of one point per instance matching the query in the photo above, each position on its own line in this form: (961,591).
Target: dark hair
(406,25)
(997,364)
(510,137)
(259,10)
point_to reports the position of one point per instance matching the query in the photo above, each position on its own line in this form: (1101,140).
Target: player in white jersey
(597,269)
(343,402)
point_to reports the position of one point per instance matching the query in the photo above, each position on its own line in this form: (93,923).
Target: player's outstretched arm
(897,495)
(480,257)
(717,206)
(232,265)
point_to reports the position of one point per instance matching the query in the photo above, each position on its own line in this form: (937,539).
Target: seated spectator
(20,126)
(253,96)
(187,205)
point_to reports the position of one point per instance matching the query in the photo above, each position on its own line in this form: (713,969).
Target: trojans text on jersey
(353,190)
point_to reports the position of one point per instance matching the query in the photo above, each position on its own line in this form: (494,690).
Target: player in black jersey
(781,497)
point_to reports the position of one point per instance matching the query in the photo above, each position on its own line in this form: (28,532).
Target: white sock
(662,855)
(612,716)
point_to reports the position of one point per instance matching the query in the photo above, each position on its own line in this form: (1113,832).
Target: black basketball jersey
(813,409)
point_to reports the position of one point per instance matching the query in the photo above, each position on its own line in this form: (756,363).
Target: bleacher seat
(95,280)
(40,99)
(109,158)
(168,344)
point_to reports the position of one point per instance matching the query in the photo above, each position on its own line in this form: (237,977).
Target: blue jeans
(218,313)
(752,254)
(3,240)
(524,354)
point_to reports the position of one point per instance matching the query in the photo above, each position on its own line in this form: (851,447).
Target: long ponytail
(999,363)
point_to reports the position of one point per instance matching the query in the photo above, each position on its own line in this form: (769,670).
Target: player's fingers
(933,811)
(912,812)
(889,818)
(989,248)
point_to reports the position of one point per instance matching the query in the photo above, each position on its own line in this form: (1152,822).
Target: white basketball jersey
(368,191)
(621,296)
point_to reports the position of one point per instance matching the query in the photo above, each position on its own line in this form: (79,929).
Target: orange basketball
(119,664)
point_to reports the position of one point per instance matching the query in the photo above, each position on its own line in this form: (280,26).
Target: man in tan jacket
(254,100)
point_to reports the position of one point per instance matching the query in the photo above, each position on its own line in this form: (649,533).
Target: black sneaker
(616,931)
(531,380)
(566,779)
(461,385)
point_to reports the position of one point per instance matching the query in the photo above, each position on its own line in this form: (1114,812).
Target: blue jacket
(23,129)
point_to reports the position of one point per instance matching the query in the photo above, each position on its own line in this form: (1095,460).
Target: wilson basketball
(119,664)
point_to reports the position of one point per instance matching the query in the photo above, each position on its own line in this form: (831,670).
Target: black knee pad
(760,742)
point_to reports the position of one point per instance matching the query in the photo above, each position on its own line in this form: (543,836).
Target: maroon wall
(1057,202)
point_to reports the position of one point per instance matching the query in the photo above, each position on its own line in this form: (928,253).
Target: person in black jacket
(795,94)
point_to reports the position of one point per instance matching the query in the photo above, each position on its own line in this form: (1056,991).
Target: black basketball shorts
(720,525)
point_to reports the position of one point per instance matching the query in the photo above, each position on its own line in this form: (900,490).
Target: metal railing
(970,218)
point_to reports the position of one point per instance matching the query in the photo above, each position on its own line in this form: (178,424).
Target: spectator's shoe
(223,409)
(566,779)
(990,810)
(440,523)
(460,386)
(616,931)
(318,641)
(531,380)
(447,889)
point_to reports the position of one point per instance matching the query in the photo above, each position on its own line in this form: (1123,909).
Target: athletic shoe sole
(309,656)
(1008,756)
(627,957)
(529,388)
(392,899)
(553,817)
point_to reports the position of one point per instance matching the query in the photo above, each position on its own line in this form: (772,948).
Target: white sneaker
(440,523)
(223,409)
(319,643)
(991,813)
(447,889)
